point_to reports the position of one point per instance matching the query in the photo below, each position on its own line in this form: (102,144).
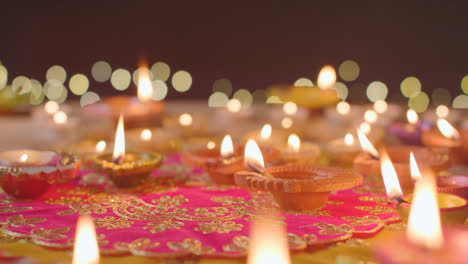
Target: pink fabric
(176,214)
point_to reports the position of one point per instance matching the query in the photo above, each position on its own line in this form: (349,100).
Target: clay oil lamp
(87,150)
(299,152)
(28,173)
(424,240)
(295,187)
(343,151)
(138,111)
(454,184)
(267,136)
(410,132)
(447,138)
(126,169)
(154,139)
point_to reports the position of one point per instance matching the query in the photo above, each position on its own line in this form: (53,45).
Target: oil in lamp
(447,138)
(342,151)
(299,152)
(126,169)
(296,187)
(85,247)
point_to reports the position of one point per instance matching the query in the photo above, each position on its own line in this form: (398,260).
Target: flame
(294,143)
(349,139)
(146,135)
(412,116)
(442,111)
(366,146)
(253,155)
(85,250)
(145,88)
(380,106)
(227,148)
(24,158)
(447,129)
(390,178)
(370,116)
(119,145)
(100,146)
(185,119)
(424,226)
(326,78)
(266,132)
(51,107)
(268,242)
(365,128)
(415,173)
(60,118)
(210,145)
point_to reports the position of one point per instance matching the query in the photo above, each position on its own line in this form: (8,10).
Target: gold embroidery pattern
(11,209)
(318,212)
(356,242)
(331,229)
(190,246)
(158,227)
(379,209)
(376,199)
(239,244)
(219,227)
(50,234)
(228,200)
(65,200)
(80,190)
(396,227)
(367,188)
(109,222)
(362,221)
(84,209)
(335,202)
(20,221)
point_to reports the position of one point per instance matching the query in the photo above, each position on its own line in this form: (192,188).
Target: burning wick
(146,135)
(294,143)
(119,145)
(366,146)
(227,149)
(447,130)
(390,179)
(266,132)
(412,117)
(253,158)
(24,158)
(85,249)
(145,89)
(326,78)
(415,174)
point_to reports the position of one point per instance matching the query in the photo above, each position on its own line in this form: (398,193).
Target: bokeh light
(57,74)
(259,96)
(326,78)
(185,119)
(210,145)
(460,101)
(60,117)
(349,70)
(464,84)
(36,96)
(121,79)
(54,90)
(18,83)
(380,106)
(63,96)
(290,108)
(234,105)
(79,84)
(223,86)
(159,90)
(101,71)
(441,96)
(377,91)
(161,71)
(442,111)
(286,122)
(3,76)
(303,82)
(218,99)
(274,100)
(26,87)
(51,107)
(410,87)
(343,108)
(181,81)
(370,116)
(89,98)
(365,128)
(419,103)
(244,97)
(341,90)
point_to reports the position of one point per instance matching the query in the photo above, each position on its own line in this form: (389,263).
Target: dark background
(253,44)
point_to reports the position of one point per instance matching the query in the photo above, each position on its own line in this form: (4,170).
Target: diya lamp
(296,187)
(267,137)
(194,143)
(445,137)
(409,132)
(454,184)
(85,246)
(126,169)
(342,151)
(154,139)
(296,151)
(344,113)
(28,173)
(424,241)
(442,111)
(186,124)
(87,150)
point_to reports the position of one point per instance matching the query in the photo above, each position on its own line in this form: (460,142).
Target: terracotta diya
(454,184)
(299,152)
(295,187)
(408,132)
(342,151)
(267,136)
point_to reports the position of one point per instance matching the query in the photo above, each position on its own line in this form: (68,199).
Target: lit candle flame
(294,143)
(370,116)
(227,148)
(326,78)
(442,111)
(447,129)
(85,250)
(415,173)
(101,146)
(146,135)
(185,119)
(268,242)
(412,117)
(424,228)
(390,178)
(24,157)
(266,132)
(145,88)
(253,156)
(380,106)
(366,145)
(51,107)
(349,139)
(119,145)
(60,118)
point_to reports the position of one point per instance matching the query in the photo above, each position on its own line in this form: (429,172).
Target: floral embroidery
(356,242)
(137,246)
(109,222)
(170,202)
(84,209)
(331,229)
(206,211)
(158,227)
(50,234)
(65,200)
(11,209)
(362,221)
(366,188)
(80,190)
(376,199)
(228,200)
(219,227)
(396,227)
(190,245)
(296,242)
(21,221)
(239,244)
(379,209)
(310,239)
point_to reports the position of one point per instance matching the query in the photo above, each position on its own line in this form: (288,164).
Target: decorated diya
(295,187)
(342,151)
(299,152)
(126,169)
(409,132)
(154,139)
(267,136)
(454,184)
(28,173)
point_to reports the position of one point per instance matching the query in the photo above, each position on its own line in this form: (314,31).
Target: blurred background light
(121,79)
(341,90)
(410,87)
(78,84)
(464,84)
(376,91)
(218,99)
(89,98)
(223,86)
(419,103)
(101,71)
(161,71)
(244,97)
(349,70)
(460,101)
(159,90)
(441,96)
(303,82)
(56,73)
(3,76)
(181,81)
